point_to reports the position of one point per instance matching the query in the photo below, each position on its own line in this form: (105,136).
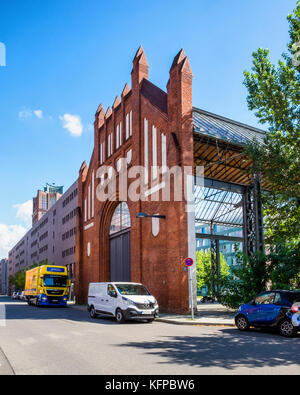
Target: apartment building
(44,200)
(3,276)
(52,237)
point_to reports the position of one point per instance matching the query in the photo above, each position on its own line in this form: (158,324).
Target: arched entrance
(119,234)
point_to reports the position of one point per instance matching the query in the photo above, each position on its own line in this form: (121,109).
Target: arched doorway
(119,234)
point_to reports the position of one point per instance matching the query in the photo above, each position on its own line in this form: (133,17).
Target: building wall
(156,260)
(3,276)
(52,237)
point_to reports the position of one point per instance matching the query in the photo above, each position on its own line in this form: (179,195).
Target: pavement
(57,341)
(208,314)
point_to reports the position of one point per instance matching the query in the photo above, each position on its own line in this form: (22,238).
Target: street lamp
(144,215)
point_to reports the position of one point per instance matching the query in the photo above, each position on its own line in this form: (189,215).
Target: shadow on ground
(226,348)
(19,310)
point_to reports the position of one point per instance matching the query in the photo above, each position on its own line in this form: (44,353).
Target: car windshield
(55,281)
(132,289)
(293,297)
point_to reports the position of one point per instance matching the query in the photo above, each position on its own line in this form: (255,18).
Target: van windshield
(132,289)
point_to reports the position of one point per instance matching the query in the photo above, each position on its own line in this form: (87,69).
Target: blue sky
(68,56)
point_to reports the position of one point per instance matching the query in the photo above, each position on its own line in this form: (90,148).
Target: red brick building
(150,127)
(146,126)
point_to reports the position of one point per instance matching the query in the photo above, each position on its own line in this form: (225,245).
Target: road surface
(66,341)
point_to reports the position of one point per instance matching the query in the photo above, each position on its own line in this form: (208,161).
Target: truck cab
(47,286)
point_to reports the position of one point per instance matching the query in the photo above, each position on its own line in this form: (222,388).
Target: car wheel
(286,328)
(93,312)
(150,321)
(120,316)
(242,323)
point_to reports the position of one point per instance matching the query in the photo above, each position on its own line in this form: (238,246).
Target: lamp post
(144,215)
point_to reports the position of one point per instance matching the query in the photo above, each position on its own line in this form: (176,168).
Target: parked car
(19,295)
(14,295)
(124,301)
(273,309)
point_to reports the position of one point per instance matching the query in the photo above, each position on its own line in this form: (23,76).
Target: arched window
(120,220)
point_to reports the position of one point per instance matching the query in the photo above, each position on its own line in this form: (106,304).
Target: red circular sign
(189,262)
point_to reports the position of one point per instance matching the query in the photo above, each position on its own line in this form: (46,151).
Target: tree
(204,271)
(248,278)
(18,280)
(274,94)
(284,266)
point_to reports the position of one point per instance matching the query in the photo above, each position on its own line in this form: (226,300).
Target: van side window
(111,290)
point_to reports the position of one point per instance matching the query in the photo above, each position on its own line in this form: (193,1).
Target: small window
(266,298)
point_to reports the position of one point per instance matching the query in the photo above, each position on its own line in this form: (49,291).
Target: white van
(124,301)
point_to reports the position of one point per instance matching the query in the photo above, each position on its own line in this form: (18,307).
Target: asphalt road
(66,341)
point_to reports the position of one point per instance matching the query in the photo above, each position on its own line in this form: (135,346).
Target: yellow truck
(47,286)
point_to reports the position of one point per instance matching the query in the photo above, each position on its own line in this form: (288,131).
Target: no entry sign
(188,262)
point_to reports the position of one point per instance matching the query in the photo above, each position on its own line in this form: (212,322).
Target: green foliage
(18,280)
(279,269)
(205,277)
(284,266)
(274,95)
(248,277)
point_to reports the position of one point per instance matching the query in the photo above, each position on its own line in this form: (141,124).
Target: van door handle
(107,300)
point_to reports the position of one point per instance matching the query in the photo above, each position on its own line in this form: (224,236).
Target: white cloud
(38,113)
(25,114)
(9,236)
(73,124)
(24,212)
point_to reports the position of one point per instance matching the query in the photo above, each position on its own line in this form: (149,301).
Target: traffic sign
(189,262)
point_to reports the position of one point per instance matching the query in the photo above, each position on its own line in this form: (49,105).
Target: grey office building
(52,237)
(3,276)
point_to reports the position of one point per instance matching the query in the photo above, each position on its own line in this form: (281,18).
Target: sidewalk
(208,315)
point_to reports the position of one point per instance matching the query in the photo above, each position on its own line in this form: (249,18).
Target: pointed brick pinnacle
(126,90)
(108,112)
(116,102)
(140,57)
(186,66)
(179,58)
(100,109)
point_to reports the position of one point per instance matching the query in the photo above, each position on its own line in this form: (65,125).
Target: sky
(65,57)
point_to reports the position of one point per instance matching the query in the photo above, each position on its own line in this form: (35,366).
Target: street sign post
(189,263)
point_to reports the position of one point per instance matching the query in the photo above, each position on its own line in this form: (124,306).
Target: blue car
(273,309)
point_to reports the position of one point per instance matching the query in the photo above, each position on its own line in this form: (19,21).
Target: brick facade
(156,260)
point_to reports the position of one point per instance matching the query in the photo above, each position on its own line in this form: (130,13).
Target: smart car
(273,309)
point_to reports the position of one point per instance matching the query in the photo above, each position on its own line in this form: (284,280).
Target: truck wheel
(286,328)
(28,302)
(120,316)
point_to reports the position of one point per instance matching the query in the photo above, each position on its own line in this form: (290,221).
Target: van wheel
(93,312)
(120,316)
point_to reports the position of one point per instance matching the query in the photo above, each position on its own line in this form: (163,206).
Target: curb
(173,322)
(215,324)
